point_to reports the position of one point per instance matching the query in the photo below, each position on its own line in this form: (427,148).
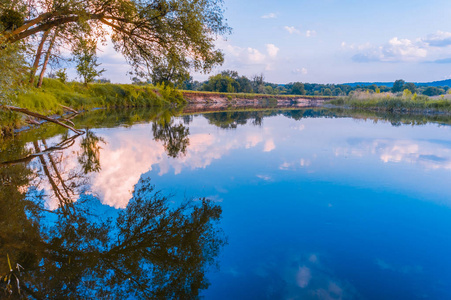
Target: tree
(86,59)
(373,87)
(168,74)
(432,91)
(337,91)
(298,89)
(411,87)
(268,90)
(230,73)
(245,84)
(13,64)
(148,33)
(61,75)
(223,84)
(398,86)
(327,92)
(258,83)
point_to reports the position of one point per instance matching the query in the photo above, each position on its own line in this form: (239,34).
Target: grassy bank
(393,103)
(49,99)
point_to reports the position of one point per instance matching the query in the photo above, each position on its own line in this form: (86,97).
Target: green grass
(53,94)
(395,104)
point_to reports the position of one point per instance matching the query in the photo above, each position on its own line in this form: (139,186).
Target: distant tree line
(231,82)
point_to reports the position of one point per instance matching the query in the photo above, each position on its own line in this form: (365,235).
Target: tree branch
(36,115)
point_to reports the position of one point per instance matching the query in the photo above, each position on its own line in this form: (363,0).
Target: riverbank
(240,99)
(54,96)
(395,104)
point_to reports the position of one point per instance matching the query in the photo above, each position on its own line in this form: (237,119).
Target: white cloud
(244,55)
(270,16)
(439,39)
(248,57)
(272,50)
(396,50)
(302,71)
(310,33)
(269,145)
(430,156)
(292,30)
(254,55)
(433,48)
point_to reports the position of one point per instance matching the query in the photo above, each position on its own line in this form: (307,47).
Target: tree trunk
(46,60)
(38,56)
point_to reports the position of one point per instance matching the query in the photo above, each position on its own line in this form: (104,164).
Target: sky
(329,41)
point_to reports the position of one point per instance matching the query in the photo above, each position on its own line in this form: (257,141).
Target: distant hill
(446,82)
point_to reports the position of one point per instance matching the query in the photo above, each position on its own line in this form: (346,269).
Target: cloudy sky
(331,41)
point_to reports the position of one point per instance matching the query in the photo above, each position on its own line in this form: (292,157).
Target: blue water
(316,208)
(325,208)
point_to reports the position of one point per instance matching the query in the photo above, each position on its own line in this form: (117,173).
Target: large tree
(148,33)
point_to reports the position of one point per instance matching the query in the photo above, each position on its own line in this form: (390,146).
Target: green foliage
(53,94)
(222,83)
(162,36)
(86,60)
(61,75)
(327,92)
(11,19)
(411,87)
(407,94)
(405,103)
(168,74)
(398,86)
(432,91)
(298,88)
(13,68)
(170,93)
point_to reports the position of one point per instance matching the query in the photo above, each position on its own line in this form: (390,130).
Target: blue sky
(331,41)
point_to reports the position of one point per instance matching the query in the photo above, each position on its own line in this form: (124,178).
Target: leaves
(178,35)
(86,59)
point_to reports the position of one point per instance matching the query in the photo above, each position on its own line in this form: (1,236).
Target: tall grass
(49,99)
(390,102)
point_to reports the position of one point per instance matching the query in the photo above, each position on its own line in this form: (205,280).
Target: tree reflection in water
(150,249)
(89,158)
(175,138)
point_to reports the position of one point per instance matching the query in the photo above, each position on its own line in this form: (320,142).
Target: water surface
(302,205)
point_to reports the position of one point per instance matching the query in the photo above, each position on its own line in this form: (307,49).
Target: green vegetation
(150,35)
(408,102)
(230,82)
(54,94)
(86,58)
